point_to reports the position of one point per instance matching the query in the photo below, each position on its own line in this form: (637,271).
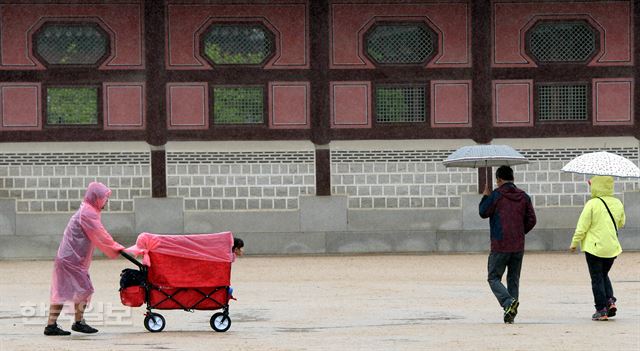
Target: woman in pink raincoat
(71,281)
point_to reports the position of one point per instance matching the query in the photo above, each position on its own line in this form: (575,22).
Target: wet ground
(412,302)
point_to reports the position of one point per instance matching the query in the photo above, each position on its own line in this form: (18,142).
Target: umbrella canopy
(484,156)
(603,163)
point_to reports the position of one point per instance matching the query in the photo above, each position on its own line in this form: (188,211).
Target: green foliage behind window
(400,43)
(243,105)
(400,104)
(217,55)
(77,44)
(237,44)
(72,106)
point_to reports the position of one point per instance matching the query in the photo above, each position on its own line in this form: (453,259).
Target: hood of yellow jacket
(601,186)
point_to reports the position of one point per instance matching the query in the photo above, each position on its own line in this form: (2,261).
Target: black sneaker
(511,311)
(611,307)
(600,315)
(53,329)
(83,327)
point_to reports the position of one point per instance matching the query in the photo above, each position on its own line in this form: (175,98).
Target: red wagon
(187,272)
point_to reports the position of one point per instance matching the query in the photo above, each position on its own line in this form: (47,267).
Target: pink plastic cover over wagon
(189,261)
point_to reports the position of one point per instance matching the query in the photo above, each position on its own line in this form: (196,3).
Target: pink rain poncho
(85,232)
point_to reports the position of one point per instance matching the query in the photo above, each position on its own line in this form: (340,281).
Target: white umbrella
(603,163)
(484,156)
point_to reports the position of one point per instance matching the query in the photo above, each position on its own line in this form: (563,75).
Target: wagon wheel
(220,322)
(154,322)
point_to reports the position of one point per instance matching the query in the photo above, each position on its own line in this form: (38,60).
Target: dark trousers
(498,263)
(599,268)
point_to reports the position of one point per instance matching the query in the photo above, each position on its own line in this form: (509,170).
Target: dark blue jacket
(512,216)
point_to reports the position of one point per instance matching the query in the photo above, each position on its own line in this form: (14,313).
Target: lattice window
(553,42)
(566,102)
(72,105)
(400,104)
(71,44)
(406,43)
(238,44)
(238,105)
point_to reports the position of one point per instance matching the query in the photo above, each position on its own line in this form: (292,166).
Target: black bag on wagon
(132,277)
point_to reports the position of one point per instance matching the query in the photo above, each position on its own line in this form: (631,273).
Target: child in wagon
(71,281)
(238,251)
(238,248)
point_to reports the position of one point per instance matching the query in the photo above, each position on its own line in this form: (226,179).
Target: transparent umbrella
(603,163)
(477,156)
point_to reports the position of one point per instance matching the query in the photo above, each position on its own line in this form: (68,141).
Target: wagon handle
(131,258)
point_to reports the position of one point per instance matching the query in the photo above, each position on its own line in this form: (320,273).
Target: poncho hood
(601,186)
(97,195)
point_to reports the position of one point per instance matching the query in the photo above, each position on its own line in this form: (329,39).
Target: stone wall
(240,180)
(53,178)
(415,178)
(550,187)
(399,179)
(386,196)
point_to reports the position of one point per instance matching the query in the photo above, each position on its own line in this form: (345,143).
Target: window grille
(400,104)
(400,43)
(71,44)
(242,105)
(72,105)
(566,102)
(553,42)
(237,44)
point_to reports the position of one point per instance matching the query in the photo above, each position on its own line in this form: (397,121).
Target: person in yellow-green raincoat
(597,234)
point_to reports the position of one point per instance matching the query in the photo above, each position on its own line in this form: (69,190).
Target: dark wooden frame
(156,76)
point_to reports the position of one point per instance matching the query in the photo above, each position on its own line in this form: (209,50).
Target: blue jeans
(498,263)
(600,284)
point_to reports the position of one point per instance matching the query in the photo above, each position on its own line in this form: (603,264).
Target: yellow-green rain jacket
(595,231)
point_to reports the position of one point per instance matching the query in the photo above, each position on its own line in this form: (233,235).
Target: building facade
(308,126)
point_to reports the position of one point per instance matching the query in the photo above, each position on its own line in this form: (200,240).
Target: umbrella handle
(487,176)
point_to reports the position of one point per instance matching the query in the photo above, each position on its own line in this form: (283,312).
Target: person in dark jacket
(511,217)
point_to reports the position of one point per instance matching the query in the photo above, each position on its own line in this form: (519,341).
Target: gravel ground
(377,302)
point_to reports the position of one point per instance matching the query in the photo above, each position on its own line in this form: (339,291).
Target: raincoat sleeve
(584,223)
(98,235)
(530,216)
(622,220)
(488,204)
